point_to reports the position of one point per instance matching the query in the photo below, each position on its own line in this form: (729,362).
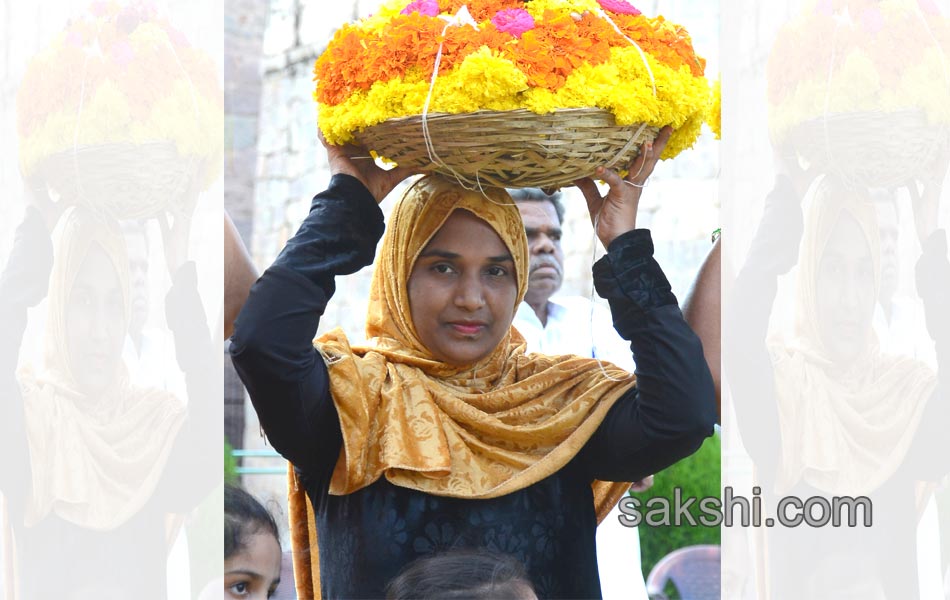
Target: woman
(443,433)
(828,412)
(92,464)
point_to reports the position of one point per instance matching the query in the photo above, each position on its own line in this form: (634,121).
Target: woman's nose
(469,293)
(850,291)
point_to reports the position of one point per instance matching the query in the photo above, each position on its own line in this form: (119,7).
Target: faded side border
(110,317)
(834,345)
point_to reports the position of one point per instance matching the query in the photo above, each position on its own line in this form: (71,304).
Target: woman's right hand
(786,163)
(37,195)
(357,162)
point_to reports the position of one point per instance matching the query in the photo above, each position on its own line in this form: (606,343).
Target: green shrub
(230,465)
(697,477)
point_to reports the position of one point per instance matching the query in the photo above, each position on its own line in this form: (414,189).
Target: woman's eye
(240,588)
(497,271)
(442,268)
(81,299)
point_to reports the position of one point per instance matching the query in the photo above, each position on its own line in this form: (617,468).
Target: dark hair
(243,517)
(461,575)
(539,195)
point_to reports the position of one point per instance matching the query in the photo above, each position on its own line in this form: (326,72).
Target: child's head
(251,547)
(462,575)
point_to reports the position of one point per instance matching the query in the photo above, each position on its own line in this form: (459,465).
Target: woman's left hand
(926,204)
(175,238)
(616,213)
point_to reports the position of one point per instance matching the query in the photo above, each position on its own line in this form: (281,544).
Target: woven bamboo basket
(873,149)
(515,148)
(124,180)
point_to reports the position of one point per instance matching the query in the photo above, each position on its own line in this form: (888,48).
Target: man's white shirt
(575,325)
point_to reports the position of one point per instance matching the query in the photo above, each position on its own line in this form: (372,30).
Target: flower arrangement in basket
(863,87)
(121,113)
(508,92)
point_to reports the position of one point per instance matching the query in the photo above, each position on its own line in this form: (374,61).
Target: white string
(940,54)
(590,303)
(646,64)
(191,84)
(427,137)
(831,66)
(430,148)
(82,94)
(627,146)
(643,57)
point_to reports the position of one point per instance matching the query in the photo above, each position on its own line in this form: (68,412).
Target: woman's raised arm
(272,345)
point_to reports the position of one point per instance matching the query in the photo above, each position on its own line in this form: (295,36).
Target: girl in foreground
(251,547)
(442,433)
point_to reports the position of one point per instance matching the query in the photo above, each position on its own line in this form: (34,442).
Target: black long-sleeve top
(808,562)
(368,536)
(55,558)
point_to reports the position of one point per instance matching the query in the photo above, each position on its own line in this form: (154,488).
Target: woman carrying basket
(442,433)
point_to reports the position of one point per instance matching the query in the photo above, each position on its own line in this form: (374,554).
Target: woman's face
(462,290)
(845,290)
(95,323)
(254,571)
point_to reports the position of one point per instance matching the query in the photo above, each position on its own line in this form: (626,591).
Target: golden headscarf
(843,432)
(475,431)
(95,461)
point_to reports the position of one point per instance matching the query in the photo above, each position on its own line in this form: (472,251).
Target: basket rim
(510,148)
(474,115)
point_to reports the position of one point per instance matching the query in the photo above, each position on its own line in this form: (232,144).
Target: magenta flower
(74,38)
(428,8)
(872,19)
(621,7)
(122,53)
(929,7)
(514,21)
(177,38)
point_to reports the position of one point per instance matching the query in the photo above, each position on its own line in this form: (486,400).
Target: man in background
(560,324)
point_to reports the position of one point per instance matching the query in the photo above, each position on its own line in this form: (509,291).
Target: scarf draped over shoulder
(472,431)
(845,430)
(96,459)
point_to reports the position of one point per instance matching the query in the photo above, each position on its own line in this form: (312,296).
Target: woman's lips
(468,328)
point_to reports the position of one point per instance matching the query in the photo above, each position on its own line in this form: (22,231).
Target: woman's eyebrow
(453,255)
(439,253)
(251,574)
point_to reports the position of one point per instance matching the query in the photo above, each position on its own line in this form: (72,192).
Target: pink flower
(74,38)
(514,21)
(929,7)
(621,7)
(177,38)
(872,20)
(428,8)
(122,53)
